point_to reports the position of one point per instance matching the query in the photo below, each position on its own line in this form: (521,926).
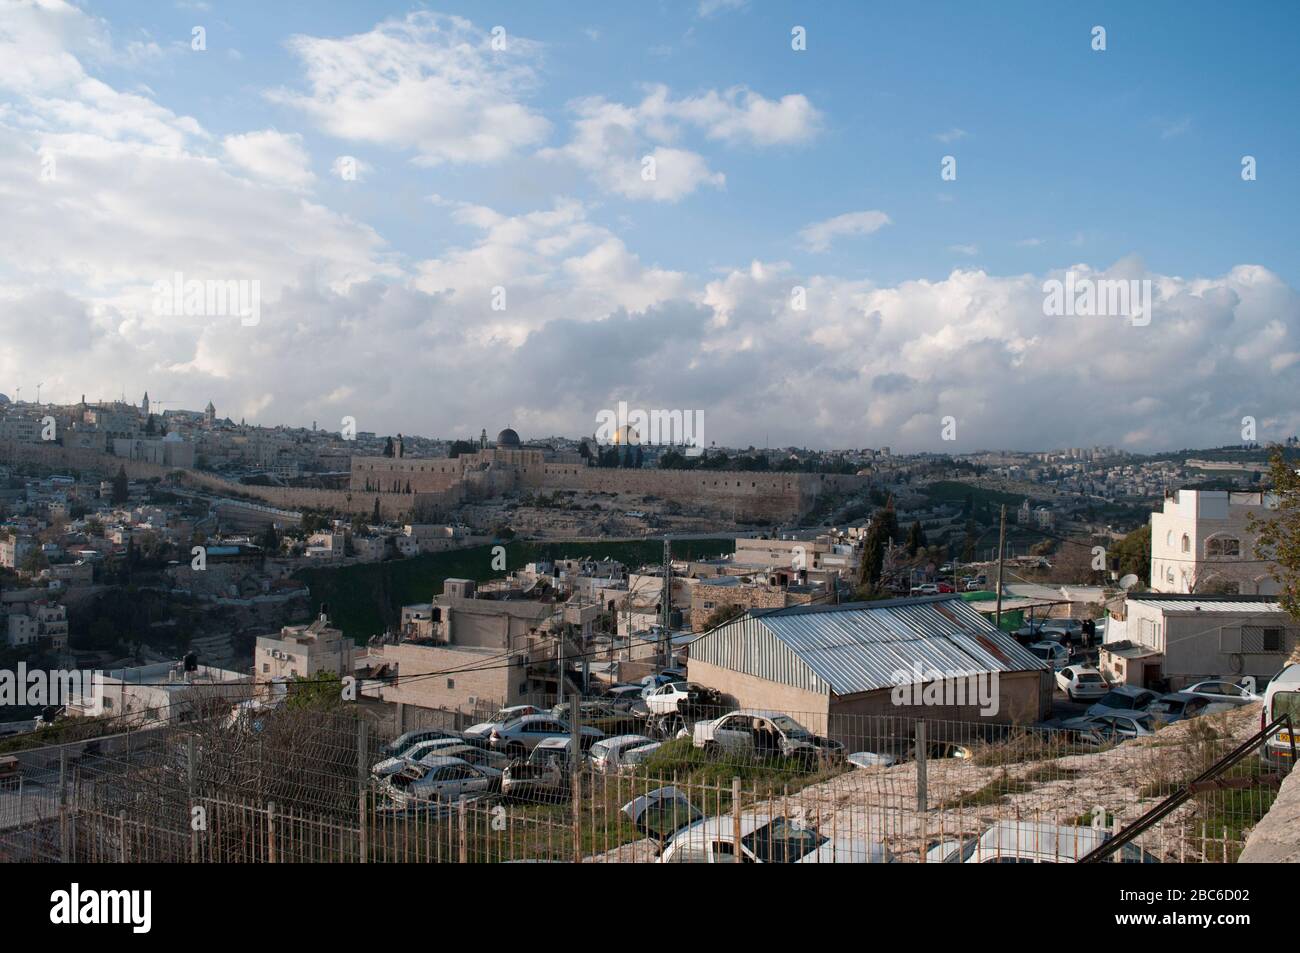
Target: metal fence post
(63,805)
(191,773)
(462,831)
(270,832)
(121,835)
(364,841)
(922,793)
(735,813)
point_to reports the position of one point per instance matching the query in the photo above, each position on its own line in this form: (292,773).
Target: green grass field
(364,600)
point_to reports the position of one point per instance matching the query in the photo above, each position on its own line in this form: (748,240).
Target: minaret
(209,415)
(144,405)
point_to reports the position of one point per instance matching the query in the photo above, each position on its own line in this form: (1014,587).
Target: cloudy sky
(521,214)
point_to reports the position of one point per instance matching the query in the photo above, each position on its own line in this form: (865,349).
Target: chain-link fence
(345,784)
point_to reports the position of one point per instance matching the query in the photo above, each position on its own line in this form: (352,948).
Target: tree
(121,487)
(1278,536)
(271,540)
(915,538)
(1132,554)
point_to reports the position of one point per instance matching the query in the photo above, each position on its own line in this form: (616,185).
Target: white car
(608,755)
(1222,690)
(1032,842)
(522,735)
(442,780)
(413,754)
(633,758)
(926,589)
(1123,700)
(674,697)
(686,836)
(1053,653)
(764,734)
(1282,698)
(503,717)
(1082,681)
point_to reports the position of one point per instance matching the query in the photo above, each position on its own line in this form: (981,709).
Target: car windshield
(782,842)
(1287,703)
(1168,706)
(1116,700)
(1090,677)
(667,816)
(791,728)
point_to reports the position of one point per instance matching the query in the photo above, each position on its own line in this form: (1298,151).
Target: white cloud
(951,135)
(818,236)
(968,250)
(427,83)
(272,156)
(611,141)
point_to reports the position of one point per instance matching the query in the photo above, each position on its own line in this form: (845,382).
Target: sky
(521,214)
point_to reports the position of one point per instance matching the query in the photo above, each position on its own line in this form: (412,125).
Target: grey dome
(508,438)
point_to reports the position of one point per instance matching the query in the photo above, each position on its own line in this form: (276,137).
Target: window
(1187,543)
(1228,546)
(451,683)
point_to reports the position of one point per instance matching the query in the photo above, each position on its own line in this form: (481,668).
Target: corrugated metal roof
(1210,604)
(863,647)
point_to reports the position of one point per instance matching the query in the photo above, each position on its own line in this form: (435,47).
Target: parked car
(480,756)
(518,737)
(652,682)
(871,759)
(1282,698)
(1053,653)
(602,715)
(1223,690)
(1123,700)
(1177,706)
(684,698)
(416,752)
(686,836)
(1082,682)
(633,758)
(623,696)
(972,585)
(484,728)
(443,780)
(1032,842)
(543,776)
(925,589)
(405,741)
(607,755)
(764,734)
(943,587)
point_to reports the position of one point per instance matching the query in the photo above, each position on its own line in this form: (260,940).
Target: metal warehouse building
(822,662)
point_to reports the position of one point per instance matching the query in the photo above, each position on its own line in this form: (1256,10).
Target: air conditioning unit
(473,699)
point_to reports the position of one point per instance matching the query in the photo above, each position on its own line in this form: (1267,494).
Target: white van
(1282,698)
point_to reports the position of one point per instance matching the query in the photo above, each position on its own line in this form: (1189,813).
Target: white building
(162,693)
(1188,638)
(301,651)
(1201,543)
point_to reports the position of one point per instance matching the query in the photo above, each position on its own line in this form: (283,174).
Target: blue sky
(1065,151)
(778,170)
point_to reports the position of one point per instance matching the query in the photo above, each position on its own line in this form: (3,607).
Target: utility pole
(1002,538)
(665,651)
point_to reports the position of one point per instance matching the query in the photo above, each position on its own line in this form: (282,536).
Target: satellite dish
(1129,581)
